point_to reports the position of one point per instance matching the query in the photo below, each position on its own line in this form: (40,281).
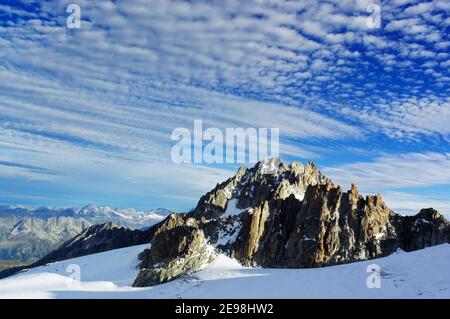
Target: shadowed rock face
(95,239)
(427,228)
(180,248)
(294,217)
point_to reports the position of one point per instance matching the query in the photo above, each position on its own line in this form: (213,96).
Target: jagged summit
(289,216)
(270,166)
(250,186)
(97,228)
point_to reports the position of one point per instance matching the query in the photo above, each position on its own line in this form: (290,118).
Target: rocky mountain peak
(430,214)
(289,216)
(100,227)
(270,166)
(268,179)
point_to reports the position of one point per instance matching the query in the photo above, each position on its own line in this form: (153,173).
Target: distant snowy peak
(93,214)
(94,210)
(124,217)
(90,211)
(38,212)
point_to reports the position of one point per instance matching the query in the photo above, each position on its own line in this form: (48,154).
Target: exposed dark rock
(95,239)
(180,248)
(427,228)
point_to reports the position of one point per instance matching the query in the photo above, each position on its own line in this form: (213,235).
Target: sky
(86,114)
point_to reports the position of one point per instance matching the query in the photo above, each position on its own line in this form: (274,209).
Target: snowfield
(419,274)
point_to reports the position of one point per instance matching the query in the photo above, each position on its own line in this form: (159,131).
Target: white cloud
(411,204)
(419,8)
(138,69)
(395,171)
(408,118)
(406,181)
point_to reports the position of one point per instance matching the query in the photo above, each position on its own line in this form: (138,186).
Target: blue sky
(86,114)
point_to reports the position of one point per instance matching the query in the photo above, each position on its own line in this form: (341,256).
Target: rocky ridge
(284,216)
(95,239)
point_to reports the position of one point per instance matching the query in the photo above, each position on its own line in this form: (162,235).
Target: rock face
(290,217)
(95,239)
(180,248)
(425,229)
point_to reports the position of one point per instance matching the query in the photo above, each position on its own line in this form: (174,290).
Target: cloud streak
(101,102)
(395,171)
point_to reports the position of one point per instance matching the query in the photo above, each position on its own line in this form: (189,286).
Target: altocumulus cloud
(97,105)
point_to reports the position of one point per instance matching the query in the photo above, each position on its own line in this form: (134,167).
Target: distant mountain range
(27,233)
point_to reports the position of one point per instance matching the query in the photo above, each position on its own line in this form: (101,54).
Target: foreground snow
(420,274)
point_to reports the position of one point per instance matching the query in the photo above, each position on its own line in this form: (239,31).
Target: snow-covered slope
(102,273)
(420,274)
